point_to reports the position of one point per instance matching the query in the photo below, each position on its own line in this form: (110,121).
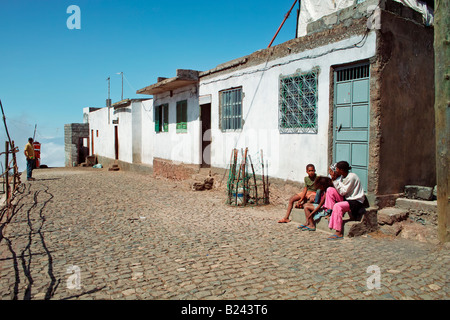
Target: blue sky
(49,73)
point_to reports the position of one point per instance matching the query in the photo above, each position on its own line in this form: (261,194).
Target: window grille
(298,103)
(348,74)
(231,109)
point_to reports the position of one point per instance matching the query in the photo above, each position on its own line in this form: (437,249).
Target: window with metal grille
(348,74)
(231,109)
(298,103)
(182,116)
(162,118)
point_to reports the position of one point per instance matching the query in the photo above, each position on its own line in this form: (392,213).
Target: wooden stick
(7,177)
(15,167)
(230,176)
(254,180)
(267,184)
(245,181)
(263,179)
(237,181)
(234,170)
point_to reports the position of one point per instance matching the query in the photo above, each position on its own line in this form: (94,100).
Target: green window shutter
(166,118)
(179,116)
(182,116)
(157,118)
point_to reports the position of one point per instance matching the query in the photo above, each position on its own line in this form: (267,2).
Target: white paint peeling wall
(287,154)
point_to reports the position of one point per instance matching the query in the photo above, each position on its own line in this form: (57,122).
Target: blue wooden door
(351,119)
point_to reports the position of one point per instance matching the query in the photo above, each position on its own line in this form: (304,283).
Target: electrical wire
(308,57)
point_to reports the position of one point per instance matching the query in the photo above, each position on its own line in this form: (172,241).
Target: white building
(319,98)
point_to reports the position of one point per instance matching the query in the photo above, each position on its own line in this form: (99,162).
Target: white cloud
(52,154)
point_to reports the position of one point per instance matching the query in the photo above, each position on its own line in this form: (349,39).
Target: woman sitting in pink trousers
(346,196)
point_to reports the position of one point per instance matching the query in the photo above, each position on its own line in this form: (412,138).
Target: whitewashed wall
(125,133)
(104,143)
(147,131)
(135,132)
(287,154)
(179,147)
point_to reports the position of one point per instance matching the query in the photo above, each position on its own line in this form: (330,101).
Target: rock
(197,186)
(391,230)
(419,192)
(415,231)
(209,182)
(206,185)
(434,287)
(129,292)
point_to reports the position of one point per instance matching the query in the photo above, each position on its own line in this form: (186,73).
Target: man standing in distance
(29,154)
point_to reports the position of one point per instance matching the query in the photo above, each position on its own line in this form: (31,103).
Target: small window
(298,103)
(182,116)
(231,109)
(162,118)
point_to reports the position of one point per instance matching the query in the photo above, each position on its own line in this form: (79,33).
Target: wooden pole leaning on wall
(14,166)
(15,170)
(6,177)
(245,186)
(254,179)
(263,178)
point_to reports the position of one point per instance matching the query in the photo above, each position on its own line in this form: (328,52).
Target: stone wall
(173,170)
(72,134)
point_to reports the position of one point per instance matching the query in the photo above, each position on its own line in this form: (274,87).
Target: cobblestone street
(89,233)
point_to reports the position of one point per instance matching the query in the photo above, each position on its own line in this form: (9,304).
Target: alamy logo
(74,280)
(373,282)
(74,21)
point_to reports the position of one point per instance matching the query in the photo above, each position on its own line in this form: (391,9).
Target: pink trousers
(335,202)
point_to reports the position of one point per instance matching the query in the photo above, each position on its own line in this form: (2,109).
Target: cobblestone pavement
(89,233)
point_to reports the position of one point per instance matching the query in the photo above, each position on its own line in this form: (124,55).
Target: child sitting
(307,195)
(313,211)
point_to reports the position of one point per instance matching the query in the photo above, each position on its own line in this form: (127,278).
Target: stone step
(418,205)
(367,224)
(391,215)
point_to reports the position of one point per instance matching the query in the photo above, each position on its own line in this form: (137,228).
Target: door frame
(116,142)
(205,140)
(333,95)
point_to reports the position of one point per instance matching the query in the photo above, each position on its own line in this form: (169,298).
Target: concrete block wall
(72,134)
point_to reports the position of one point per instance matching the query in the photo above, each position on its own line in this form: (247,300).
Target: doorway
(92,142)
(116,142)
(205,116)
(351,118)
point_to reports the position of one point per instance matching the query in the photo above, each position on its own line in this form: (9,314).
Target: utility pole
(109,83)
(442,114)
(121,73)
(108,101)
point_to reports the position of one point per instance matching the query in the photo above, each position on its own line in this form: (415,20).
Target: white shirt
(350,187)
